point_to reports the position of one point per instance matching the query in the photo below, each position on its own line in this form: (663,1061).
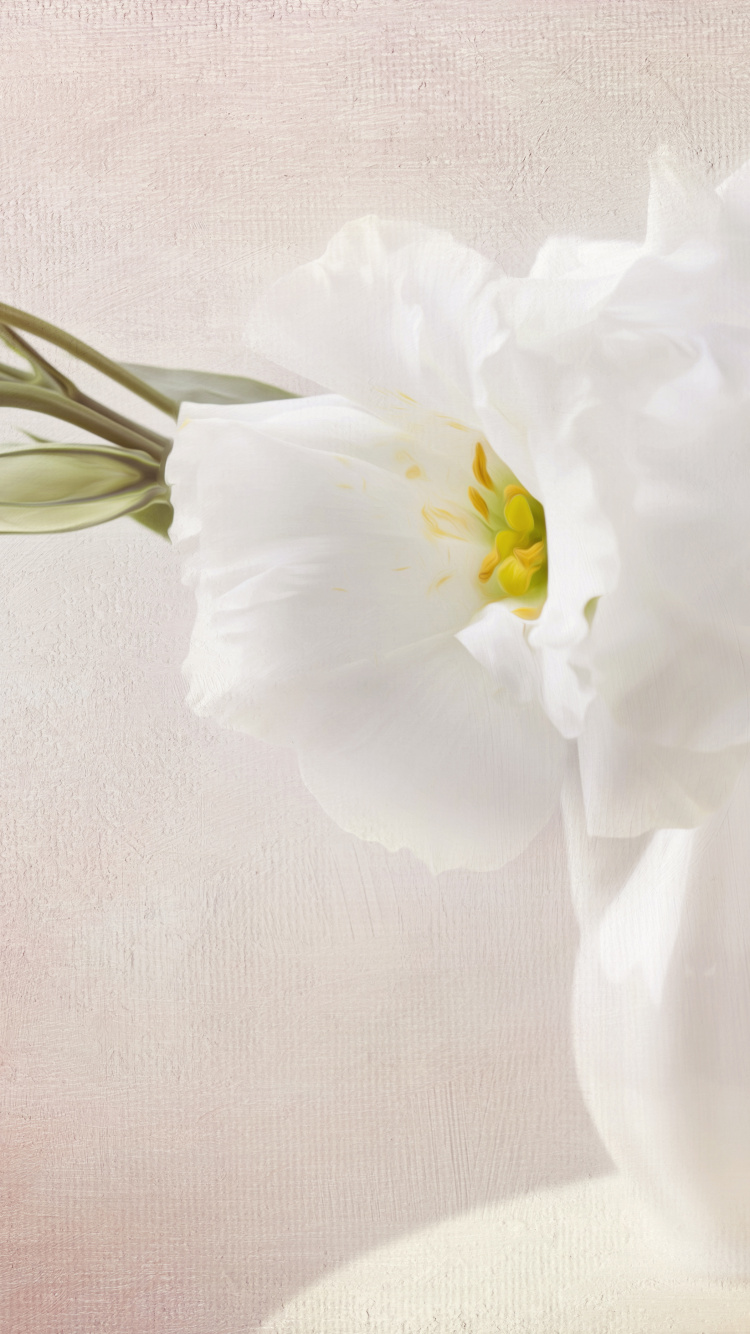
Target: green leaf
(58,488)
(158,517)
(205,387)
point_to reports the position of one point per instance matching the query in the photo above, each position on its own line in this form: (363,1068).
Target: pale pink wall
(235,1045)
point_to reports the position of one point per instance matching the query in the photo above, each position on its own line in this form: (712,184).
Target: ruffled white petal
(569,283)
(631,785)
(394,316)
(647,493)
(436,454)
(584,566)
(327,608)
(734,192)
(676,674)
(421,751)
(669,647)
(683,209)
(583,556)
(325,619)
(573,281)
(340,614)
(497,640)
(305,560)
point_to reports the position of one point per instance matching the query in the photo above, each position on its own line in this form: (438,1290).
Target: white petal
(415,446)
(669,648)
(573,281)
(630,785)
(683,683)
(393,315)
(501,643)
(583,558)
(734,192)
(325,422)
(672,665)
(584,565)
(639,931)
(310,630)
(422,752)
(569,283)
(303,561)
(683,209)
(497,640)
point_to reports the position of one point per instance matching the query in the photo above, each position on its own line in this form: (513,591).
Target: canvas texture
(239,1048)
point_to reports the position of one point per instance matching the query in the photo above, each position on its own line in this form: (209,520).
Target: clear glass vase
(661,1020)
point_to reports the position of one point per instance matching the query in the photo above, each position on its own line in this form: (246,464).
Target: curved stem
(163,443)
(50,333)
(43,370)
(34,399)
(13,373)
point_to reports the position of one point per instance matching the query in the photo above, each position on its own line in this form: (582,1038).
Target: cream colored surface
(237,1049)
(573,1260)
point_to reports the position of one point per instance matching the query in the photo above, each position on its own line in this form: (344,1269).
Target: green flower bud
(57,488)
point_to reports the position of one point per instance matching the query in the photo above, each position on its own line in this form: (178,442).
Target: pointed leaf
(206,387)
(157,516)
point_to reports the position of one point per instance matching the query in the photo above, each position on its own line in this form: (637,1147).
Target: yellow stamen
(479,468)
(515,558)
(479,503)
(518,514)
(488,565)
(505,541)
(513,577)
(532,558)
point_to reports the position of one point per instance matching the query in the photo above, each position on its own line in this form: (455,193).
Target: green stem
(43,370)
(13,373)
(50,333)
(34,399)
(162,442)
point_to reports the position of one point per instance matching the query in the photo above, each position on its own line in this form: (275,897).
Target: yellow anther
(532,558)
(527,613)
(505,541)
(488,565)
(479,503)
(518,514)
(479,468)
(514,577)
(515,558)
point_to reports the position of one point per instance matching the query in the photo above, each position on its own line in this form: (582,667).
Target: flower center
(517,560)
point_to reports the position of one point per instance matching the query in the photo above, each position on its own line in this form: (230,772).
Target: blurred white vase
(661,1020)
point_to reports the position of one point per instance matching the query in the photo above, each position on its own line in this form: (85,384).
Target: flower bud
(57,488)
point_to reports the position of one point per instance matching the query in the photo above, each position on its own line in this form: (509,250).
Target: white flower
(518,527)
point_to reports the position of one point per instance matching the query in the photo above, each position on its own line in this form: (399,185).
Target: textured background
(236,1047)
